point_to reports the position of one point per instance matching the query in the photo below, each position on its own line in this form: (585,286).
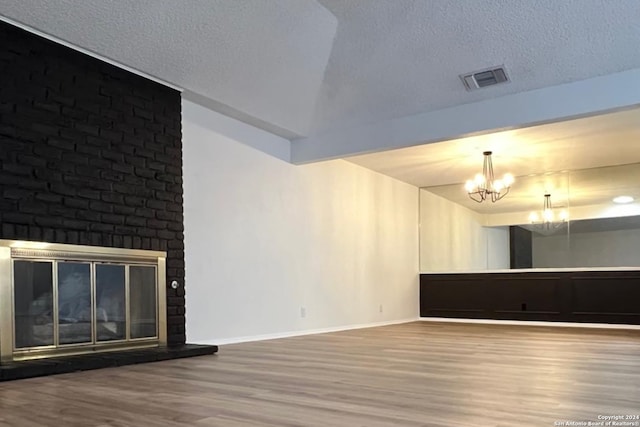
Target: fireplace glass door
(142,290)
(74,303)
(59,299)
(110,302)
(61,303)
(33,303)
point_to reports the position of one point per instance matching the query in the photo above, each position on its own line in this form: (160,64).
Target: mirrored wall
(588,224)
(577,167)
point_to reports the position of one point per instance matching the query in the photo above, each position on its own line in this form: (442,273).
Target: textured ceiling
(262,61)
(303,67)
(395,58)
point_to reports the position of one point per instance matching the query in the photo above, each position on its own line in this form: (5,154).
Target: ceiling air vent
(483,78)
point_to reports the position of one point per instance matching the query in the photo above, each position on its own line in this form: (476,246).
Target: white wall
(265,238)
(453,238)
(620,248)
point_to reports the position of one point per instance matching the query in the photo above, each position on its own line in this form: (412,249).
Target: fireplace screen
(70,299)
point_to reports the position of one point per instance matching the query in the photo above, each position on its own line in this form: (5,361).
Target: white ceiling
(304,67)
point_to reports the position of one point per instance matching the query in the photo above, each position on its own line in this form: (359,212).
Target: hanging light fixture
(547,217)
(485,187)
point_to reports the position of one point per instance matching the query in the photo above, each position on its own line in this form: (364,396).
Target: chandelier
(547,217)
(485,187)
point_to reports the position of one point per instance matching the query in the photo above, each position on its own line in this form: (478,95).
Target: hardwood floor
(414,374)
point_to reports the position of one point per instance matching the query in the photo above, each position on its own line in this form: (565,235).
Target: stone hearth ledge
(65,364)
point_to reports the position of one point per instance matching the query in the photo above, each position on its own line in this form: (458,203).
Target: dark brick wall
(89,154)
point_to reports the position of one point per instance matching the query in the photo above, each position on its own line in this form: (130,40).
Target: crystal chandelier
(546,220)
(485,187)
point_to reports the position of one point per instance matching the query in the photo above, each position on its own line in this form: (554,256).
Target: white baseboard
(290,334)
(532,323)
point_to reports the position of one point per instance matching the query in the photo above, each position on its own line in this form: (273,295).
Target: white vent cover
(483,78)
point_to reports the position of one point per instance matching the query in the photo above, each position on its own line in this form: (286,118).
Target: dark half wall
(558,296)
(90,154)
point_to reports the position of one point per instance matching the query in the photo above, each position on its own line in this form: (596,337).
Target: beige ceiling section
(582,163)
(605,140)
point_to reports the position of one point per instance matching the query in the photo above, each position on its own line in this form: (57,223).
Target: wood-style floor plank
(414,374)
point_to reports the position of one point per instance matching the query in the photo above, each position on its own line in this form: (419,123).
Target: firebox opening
(69,299)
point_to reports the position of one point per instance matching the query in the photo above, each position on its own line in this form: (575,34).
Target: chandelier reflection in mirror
(547,218)
(485,187)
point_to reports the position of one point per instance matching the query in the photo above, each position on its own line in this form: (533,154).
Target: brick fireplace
(90,155)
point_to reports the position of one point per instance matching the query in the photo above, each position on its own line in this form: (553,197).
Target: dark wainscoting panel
(622,298)
(568,296)
(530,295)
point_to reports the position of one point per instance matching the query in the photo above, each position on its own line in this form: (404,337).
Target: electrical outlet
(380,308)
(303,312)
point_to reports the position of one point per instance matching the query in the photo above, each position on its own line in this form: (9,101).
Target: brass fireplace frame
(11,250)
